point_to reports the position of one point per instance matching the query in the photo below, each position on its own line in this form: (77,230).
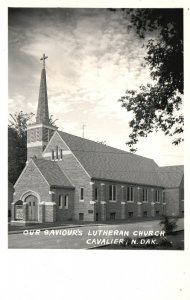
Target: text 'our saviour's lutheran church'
(67,177)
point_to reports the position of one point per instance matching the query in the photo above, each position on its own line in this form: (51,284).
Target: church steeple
(42,111)
(39,134)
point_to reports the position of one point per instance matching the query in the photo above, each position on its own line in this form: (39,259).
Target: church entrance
(32,208)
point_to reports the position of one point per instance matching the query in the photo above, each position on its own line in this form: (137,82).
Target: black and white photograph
(94,149)
(95,131)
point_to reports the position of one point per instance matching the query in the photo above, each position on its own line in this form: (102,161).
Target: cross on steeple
(43,58)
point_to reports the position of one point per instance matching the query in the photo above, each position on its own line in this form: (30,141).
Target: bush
(126,242)
(169,224)
(165,243)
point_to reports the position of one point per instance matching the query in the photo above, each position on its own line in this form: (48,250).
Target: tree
(17,142)
(157,105)
(52,121)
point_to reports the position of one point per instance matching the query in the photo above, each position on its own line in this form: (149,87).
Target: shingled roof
(171,176)
(52,173)
(104,162)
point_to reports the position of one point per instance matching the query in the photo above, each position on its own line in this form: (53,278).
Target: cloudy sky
(92,59)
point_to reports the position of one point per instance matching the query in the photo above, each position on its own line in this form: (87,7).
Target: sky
(93,58)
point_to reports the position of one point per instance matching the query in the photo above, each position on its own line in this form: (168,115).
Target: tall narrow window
(66,204)
(60,201)
(157,196)
(96,194)
(56,151)
(132,194)
(82,194)
(52,155)
(61,153)
(112,193)
(128,193)
(122,193)
(145,195)
(163,197)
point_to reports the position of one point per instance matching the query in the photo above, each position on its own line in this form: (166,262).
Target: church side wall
(123,208)
(175,200)
(172,201)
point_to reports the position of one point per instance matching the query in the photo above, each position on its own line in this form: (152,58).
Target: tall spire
(42,111)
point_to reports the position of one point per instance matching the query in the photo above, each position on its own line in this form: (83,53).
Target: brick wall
(55,141)
(175,200)
(120,209)
(34,151)
(79,179)
(63,213)
(32,180)
(172,201)
(77,175)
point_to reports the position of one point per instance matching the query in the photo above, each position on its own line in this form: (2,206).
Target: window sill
(81,200)
(113,201)
(130,201)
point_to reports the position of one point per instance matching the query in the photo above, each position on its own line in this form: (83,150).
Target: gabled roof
(104,162)
(52,173)
(171,176)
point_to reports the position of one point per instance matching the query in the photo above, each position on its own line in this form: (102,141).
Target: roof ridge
(106,146)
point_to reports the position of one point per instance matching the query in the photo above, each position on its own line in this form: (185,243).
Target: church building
(67,177)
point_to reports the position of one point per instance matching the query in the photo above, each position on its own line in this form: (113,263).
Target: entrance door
(32,208)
